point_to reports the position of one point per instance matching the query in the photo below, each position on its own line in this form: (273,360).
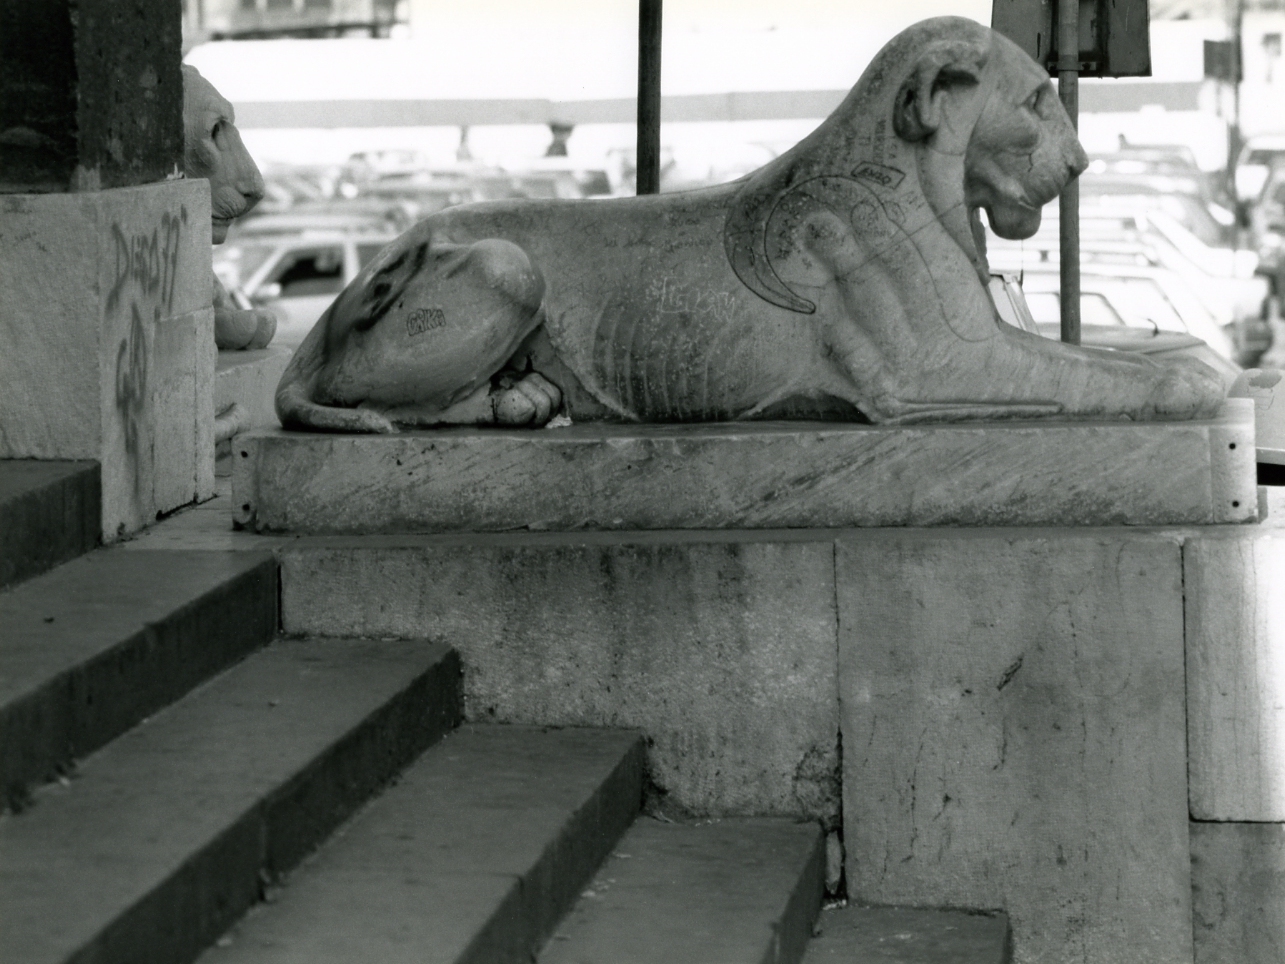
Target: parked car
(1101,326)
(1222,278)
(1255,162)
(295,276)
(1149,298)
(369,215)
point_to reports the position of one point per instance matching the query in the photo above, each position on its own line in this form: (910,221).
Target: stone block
(722,651)
(249,379)
(107,350)
(1238,892)
(1012,717)
(787,475)
(245,383)
(1235,611)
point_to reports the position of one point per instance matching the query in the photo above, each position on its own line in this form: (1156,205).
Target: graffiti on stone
(147,262)
(144,282)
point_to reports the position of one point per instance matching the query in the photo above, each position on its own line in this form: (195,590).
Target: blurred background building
(367,115)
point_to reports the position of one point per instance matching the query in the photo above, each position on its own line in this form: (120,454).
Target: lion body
(847,278)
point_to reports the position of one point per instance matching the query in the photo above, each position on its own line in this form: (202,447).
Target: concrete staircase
(182,783)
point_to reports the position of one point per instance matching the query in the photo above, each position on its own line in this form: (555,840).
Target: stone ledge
(764,475)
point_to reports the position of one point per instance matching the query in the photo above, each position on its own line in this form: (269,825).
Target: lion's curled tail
(295,405)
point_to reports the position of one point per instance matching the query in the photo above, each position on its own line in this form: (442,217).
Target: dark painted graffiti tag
(147,263)
(144,282)
(131,379)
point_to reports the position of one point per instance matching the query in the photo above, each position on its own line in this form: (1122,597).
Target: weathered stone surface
(792,475)
(724,891)
(1235,611)
(90,94)
(109,354)
(249,379)
(1012,713)
(104,641)
(1238,892)
(168,834)
(244,383)
(722,653)
(49,512)
(897,935)
(471,857)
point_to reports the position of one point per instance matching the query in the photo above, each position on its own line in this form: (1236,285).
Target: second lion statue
(845,279)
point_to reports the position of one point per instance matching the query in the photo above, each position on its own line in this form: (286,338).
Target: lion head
(212,149)
(949,118)
(1023,149)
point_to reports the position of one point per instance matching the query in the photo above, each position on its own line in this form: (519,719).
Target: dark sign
(1222,62)
(1115,35)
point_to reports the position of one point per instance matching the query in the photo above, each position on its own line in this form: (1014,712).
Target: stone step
(473,856)
(101,642)
(750,476)
(899,935)
(168,834)
(736,891)
(49,512)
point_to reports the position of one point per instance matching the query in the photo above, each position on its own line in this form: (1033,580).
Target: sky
(567,50)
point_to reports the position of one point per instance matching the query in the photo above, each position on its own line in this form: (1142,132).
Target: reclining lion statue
(212,149)
(845,279)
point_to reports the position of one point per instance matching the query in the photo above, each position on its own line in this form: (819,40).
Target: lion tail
(296,407)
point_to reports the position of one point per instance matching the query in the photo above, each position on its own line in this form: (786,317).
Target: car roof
(1266,142)
(306,238)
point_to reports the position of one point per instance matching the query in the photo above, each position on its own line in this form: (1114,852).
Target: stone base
(107,344)
(1235,611)
(781,475)
(1238,892)
(1011,700)
(721,650)
(1012,707)
(247,380)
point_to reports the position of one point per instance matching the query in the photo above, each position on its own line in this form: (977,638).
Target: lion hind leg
(296,410)
(528,400)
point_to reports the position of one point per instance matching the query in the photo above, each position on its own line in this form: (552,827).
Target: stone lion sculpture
(212,149)
(846,279)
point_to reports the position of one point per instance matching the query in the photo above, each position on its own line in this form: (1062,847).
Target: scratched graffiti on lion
(677,297)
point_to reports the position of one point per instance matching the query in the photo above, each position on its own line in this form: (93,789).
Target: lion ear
(942,66)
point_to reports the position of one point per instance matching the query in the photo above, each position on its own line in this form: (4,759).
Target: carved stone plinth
(758,476)
(106,343)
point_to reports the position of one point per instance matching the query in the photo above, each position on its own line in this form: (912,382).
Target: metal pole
(1068,88)
(648,176)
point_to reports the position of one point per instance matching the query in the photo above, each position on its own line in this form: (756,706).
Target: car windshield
(1094,308)
(1141,301)
(236,262)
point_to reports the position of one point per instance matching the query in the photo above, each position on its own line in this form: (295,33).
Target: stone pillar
(106,328)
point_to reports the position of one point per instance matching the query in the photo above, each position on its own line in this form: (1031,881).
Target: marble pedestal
(759,476)
(963,646)
(106,341)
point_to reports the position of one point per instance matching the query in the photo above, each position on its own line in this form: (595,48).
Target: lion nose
(1078,160)
(251,185)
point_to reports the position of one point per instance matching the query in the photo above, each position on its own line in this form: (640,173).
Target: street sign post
(647,176)
(1074,38)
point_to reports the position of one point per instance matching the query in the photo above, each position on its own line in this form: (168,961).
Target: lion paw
(246,329)
(532,400)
